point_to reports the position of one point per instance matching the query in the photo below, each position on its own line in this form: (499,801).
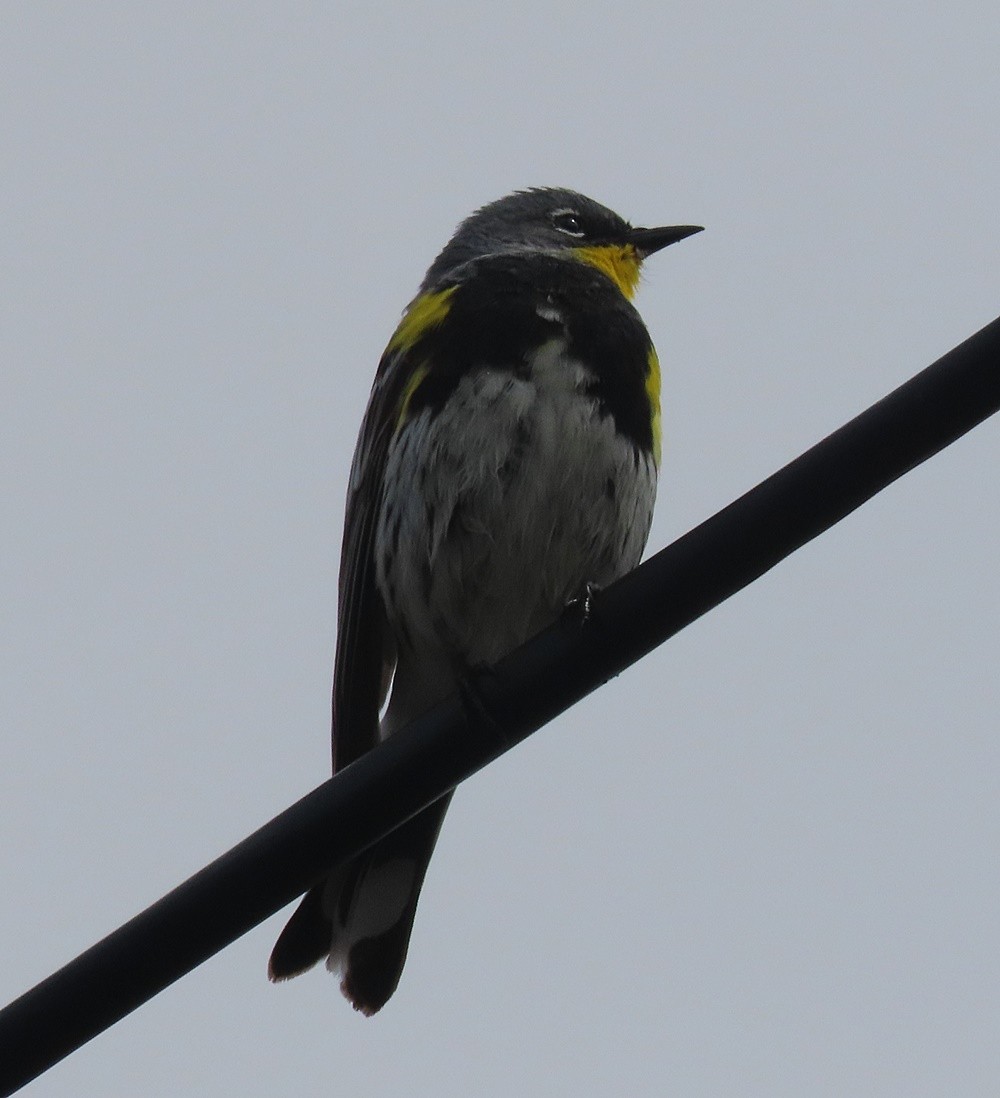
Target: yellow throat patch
(620,262)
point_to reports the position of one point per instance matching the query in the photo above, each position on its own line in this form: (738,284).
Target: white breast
(501,506)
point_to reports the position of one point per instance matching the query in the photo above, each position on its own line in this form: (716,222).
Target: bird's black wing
(366,653)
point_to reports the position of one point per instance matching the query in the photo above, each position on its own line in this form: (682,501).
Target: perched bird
(507,459)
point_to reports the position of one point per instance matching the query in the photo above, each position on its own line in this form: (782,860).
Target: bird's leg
(580,609)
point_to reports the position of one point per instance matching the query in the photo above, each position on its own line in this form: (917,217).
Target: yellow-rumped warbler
(507,458)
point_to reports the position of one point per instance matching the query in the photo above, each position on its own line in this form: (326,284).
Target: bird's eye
(569,222)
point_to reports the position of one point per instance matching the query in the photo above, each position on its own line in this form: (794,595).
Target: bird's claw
(581,608)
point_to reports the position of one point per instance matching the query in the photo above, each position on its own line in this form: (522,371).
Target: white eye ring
(568,222)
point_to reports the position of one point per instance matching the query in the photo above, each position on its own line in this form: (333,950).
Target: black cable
(526,689)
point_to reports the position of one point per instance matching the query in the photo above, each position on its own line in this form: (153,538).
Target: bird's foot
(581,608)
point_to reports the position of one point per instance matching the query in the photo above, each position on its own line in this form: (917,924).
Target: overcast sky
(764,861)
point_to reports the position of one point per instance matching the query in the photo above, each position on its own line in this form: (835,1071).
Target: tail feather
(305,940)
(372,938)
(361,917)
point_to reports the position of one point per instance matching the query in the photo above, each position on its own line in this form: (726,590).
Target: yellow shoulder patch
(620,262)
(412,385)
(424,313)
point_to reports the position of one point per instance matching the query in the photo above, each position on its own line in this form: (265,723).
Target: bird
(507,462)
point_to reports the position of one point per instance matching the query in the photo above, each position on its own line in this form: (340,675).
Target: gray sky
(761,863)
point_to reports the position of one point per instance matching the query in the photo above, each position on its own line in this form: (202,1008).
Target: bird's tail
(361,916)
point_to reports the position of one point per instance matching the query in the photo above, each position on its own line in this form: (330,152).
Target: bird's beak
(647,241)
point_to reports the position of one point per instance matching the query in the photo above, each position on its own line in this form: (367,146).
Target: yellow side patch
(412,385)
(620,262)
(653,392)
(424,313)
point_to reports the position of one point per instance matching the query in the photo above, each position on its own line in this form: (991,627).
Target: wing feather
(365,654)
